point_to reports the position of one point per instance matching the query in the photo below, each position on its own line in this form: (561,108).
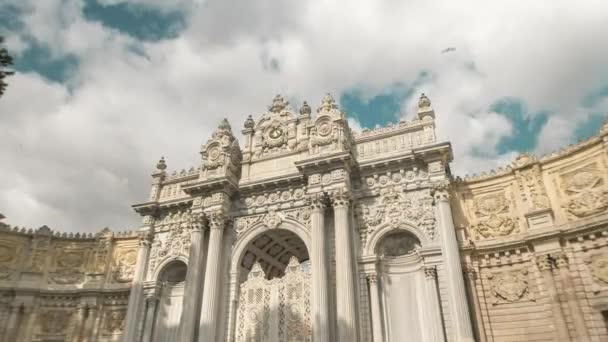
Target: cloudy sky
(105,87)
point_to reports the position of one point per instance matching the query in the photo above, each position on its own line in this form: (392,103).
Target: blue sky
(104,87)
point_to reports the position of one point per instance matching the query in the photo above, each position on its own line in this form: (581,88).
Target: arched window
(173,272)
(397,243)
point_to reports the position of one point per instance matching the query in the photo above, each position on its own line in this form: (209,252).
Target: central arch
(270,283)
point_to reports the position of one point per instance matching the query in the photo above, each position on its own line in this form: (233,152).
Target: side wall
(59,287)
(535,245)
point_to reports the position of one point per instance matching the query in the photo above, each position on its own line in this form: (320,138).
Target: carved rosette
(493,215)
(586,191)
(510,286)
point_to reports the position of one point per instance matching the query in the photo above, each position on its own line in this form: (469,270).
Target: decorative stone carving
(272,219)
(329,131)
(494,217)
(301,215)
(114,322)
(242,224)
(531,186)
(397,244)
(221,154)
(69,263)
(102,252)
(9,252)
(430,272)
(124,264)
(254,307)
(55,321)
(585,190)
(396,207)
(510,286)
(598,265)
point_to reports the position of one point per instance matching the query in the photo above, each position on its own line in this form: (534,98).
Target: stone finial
(161,165)
(327,103)
(249,123)
(278,104)
(423,101)
(256,271)
(224,125)
(523,160)
(305,109)
(425,111)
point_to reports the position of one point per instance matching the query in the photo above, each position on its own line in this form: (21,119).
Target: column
(457,297)
(374,299)
(211,291)
(193,286)
(318,258)
(148,333)
(471,272)
(79,324)
(136,296)
(434,328)
(578,318)
(11,326)
(561,329)
(346,313)
(90,324)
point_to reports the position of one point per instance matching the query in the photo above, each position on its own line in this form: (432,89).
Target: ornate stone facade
(313,232)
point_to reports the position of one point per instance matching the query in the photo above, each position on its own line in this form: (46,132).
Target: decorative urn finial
(305,109)
(327,103)
(423,102)
(278,104)
(224,125)
(249,123)
(161,165)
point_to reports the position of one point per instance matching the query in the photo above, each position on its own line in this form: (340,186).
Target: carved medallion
(509,286)
(493,216)
(585,191)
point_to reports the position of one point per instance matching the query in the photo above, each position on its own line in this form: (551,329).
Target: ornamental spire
(425,110)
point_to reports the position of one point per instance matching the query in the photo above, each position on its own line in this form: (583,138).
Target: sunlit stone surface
(313,232)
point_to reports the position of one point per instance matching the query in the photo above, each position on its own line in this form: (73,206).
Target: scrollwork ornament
(272,219)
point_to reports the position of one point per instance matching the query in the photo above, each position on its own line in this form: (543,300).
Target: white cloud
(76,159)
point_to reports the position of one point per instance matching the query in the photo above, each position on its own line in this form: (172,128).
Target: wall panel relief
(585,191)
(510,286)
(396,207)
(597,265)
(9,254)
(123,267)
(69,265)
(493,216)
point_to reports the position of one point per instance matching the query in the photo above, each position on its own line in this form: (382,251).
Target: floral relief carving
(396,207)
(125,259)
(510,286)
(68,266)
(532,187)
(585,190)
(598,266)
(272,219)
(114,321)
(493,215)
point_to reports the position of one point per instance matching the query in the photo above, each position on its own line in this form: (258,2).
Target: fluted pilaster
(209,310)
(434,328)
(194,282)
(151,304)
(318,257)
(544,264)
(458,303)
(136,296)
(578,318)
(374,298)
(346,305)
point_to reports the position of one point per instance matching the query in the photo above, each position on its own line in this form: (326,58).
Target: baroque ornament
(493,214)
(68,267)
(124,265)
(509,286)
(395,208)
(586,191)
(599,268)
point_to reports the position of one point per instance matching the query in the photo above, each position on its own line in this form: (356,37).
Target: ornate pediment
(329,131)
(396,208)
(275,132)
(221,154)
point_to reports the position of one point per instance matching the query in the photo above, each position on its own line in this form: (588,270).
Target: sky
(104,88)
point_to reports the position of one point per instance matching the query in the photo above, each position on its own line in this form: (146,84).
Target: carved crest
(509,286)
(586,191)
(493,216)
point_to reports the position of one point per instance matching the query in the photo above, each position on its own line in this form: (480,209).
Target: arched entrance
(274,289)
(171,279)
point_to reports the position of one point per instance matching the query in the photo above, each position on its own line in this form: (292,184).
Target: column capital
(372,278)
(560,260)
(340,197)
(430,272)
(217,219)
(198,222)
(145,239)
(441,192)
(317,200)
(470,271)
(543,262)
